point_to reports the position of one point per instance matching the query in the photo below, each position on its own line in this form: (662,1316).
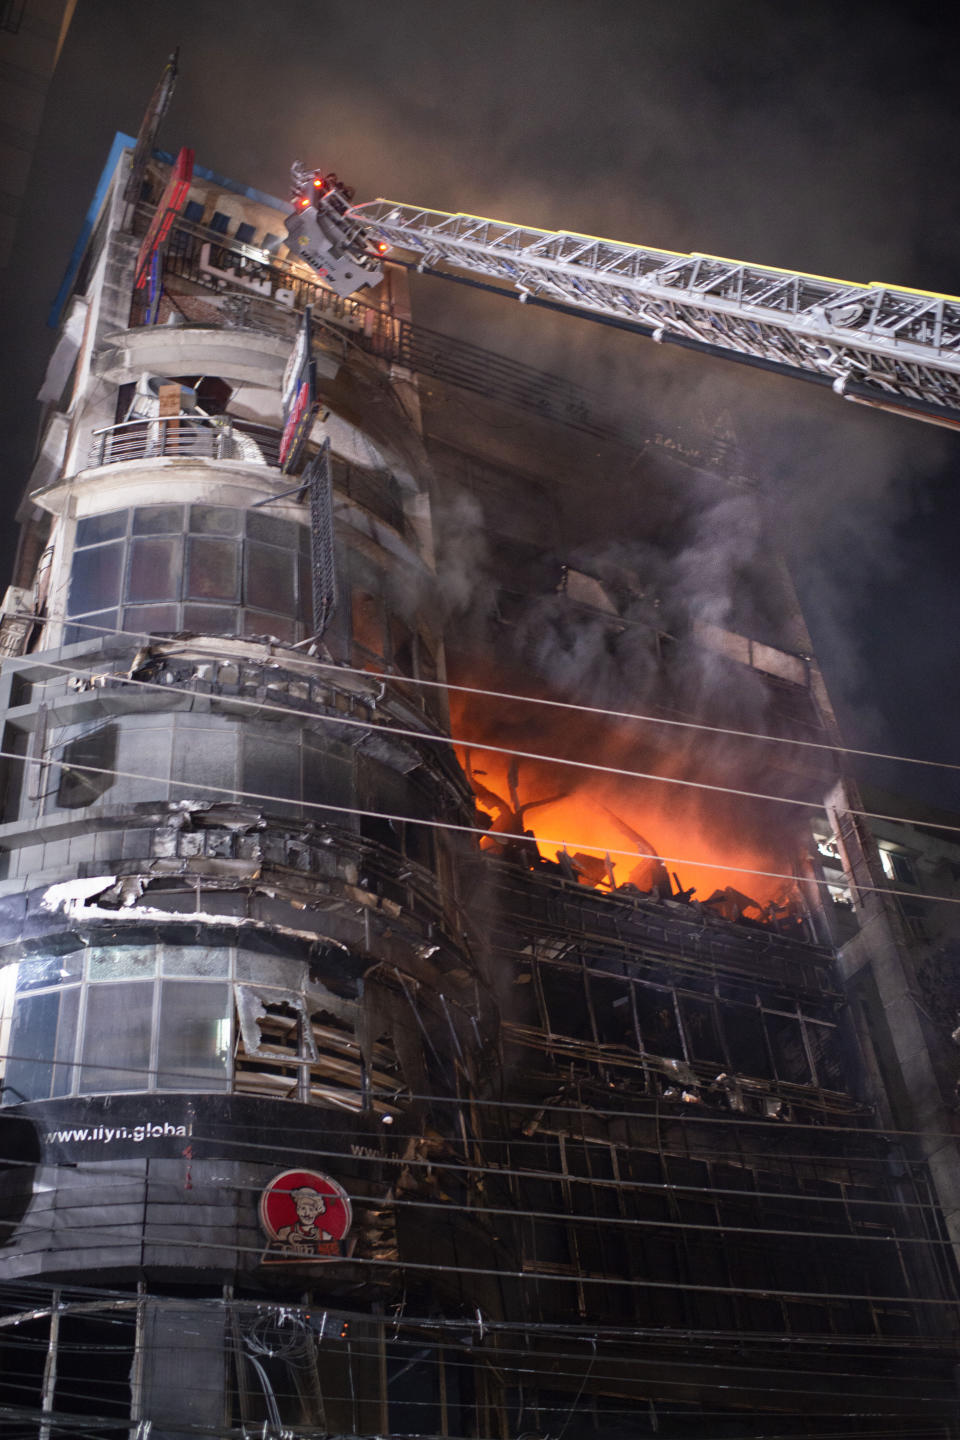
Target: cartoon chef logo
(305,1217)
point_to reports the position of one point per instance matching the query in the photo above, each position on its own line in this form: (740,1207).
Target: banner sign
(305,1216)
(299,395)
(171,203)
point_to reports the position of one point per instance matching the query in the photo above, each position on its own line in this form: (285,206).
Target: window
(80,786)
(102,1020)
(219,222)
(194,212)
(245,233)
(228,559)
(897,866)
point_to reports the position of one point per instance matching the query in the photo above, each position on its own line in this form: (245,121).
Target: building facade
(319,1117)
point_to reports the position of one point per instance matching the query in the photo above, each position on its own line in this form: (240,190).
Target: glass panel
(116,1038)
(255,622)
(158,520)
(33,1040)
(79,785)
(95,579)
(154,570)
(39,971)
(151,619)
(271,579)
(121,963)
(271,970)
(215,520)
(204,758)
(194,960)
(194,1045)
(93,625)
(272,768)
(272,530)
(210,619)
(96,528)
(64,1071)
(213,571)
(327,780)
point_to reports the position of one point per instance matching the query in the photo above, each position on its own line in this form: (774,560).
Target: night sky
(819,137)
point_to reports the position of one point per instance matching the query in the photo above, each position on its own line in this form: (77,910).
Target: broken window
(700,1023)
(613,1012)
(786,1045)
(824,1042)
(746,1041)
(566,1002)
(80,786)
(277,1042)
(659,1026)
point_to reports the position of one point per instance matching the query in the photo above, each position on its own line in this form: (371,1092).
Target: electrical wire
(453,827)
(445,685)
(536,1277)
(564,1217)
(461,1328)
(544,1107)
(264,706)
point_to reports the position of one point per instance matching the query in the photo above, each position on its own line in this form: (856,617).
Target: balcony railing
(219,437)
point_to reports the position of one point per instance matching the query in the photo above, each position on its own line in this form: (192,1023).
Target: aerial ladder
(874,344)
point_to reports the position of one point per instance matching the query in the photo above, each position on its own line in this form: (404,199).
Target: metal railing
(218,437)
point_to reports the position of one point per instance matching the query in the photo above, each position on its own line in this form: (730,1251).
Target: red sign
(305,1217)
(171,203)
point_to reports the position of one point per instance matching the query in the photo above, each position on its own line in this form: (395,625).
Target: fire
(679,839)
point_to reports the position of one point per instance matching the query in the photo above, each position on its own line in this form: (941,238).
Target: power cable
(264,706)
(445,685)
(451,826)
(545,1107)
(528,1276)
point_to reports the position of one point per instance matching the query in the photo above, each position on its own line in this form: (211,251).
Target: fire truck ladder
(876,344)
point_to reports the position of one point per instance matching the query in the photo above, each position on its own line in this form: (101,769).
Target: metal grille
(322,563)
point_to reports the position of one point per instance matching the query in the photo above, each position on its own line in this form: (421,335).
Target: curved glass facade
(111,1019)
(204,568)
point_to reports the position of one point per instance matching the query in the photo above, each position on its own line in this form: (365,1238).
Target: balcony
(218,437)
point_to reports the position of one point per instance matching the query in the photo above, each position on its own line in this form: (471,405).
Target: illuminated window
(897,866)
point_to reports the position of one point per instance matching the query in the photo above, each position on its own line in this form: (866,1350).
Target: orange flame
(679,834)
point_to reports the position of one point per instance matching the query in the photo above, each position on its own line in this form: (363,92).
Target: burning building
(383,1053)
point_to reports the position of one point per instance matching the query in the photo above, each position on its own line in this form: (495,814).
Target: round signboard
(305,1216)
